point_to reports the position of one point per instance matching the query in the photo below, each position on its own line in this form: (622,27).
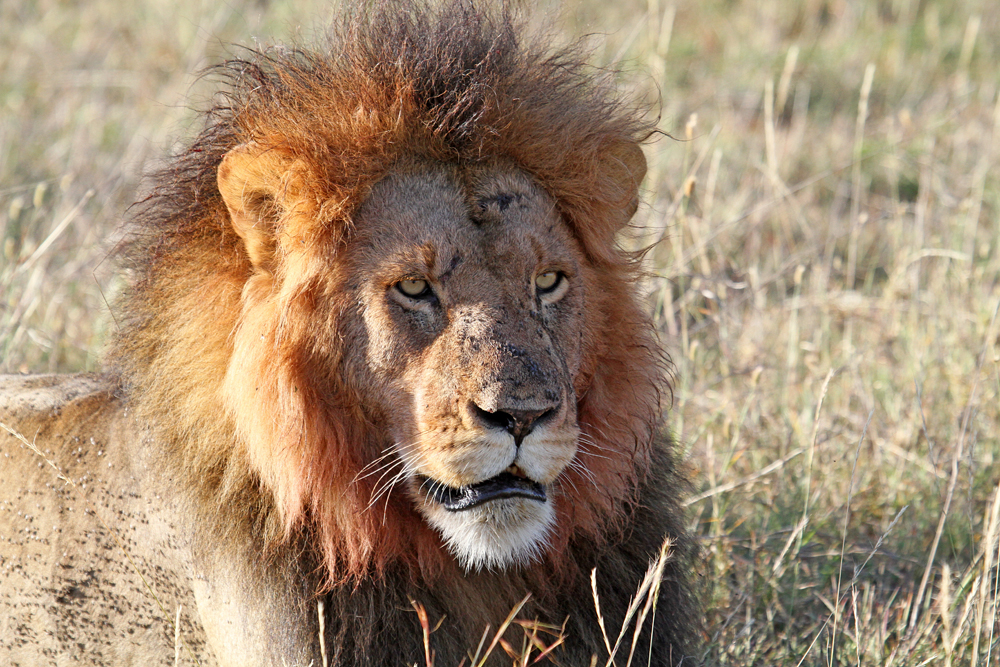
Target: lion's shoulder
(47,393)
(71,405)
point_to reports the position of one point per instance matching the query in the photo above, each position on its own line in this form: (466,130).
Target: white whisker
(583,471)
(586,452)
(385,489)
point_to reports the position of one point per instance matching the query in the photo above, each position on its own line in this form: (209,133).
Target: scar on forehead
(502,201)
(455,261)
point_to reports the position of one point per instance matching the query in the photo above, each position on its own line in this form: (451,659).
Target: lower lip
(503,486)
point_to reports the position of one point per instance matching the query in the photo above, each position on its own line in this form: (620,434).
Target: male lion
(381,366)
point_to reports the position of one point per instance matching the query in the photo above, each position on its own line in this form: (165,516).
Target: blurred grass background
(827,277)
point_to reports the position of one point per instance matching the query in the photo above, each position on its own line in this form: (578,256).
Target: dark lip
(504,485)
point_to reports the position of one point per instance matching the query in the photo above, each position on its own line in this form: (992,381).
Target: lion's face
(421,347)
(470,300)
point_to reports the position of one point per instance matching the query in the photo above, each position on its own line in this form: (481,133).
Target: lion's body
(379,348)
(66,589)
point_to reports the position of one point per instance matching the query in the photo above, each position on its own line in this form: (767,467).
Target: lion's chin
(497,534)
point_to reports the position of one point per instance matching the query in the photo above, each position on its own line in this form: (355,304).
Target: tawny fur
(231,375)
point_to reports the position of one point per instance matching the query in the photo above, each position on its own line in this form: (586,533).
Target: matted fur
(226,357)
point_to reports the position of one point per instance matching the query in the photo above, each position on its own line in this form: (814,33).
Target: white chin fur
(495,535)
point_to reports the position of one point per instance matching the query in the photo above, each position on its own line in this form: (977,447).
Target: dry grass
(828,279)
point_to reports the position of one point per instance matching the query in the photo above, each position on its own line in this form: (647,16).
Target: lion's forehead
(452,222)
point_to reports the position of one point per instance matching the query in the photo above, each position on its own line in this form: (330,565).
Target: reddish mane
(453,85)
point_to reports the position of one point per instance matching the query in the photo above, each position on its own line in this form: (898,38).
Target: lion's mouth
(505,485)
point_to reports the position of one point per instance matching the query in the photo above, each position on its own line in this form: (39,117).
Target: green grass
(828,282)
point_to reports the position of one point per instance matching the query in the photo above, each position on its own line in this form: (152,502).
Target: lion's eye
(414,287)
(548,281)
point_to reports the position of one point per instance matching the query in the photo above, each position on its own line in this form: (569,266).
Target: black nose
(519,423)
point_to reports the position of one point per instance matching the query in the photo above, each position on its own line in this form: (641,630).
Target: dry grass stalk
(992,523)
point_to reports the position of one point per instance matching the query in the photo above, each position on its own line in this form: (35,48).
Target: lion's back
(72,504)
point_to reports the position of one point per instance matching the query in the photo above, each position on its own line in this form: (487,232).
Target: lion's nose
(519,423)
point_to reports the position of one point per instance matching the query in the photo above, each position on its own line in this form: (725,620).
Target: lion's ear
(256,186)
(626,167)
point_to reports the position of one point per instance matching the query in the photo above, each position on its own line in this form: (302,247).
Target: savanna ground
(827,277)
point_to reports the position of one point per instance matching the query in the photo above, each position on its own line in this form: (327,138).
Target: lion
(381,375)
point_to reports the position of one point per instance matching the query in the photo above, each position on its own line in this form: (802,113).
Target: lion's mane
(279,438)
